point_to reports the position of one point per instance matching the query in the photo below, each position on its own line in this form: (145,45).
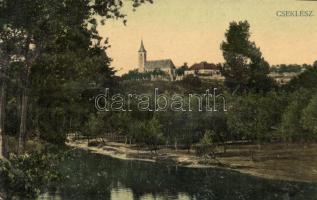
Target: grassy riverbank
(293,162)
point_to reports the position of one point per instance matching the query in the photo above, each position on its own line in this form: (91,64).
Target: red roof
(204,65)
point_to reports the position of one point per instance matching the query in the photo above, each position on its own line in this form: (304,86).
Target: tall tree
(292,128)
(24,16)
(307,80)
(3,65)
(254,116)
(244,68)
(8,43)
(309,117)
(63,32)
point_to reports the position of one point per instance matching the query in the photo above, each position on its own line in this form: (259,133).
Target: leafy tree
(245,68)
(137,130)
(189,130)
(204,146)
(309,117)
(307,80)
(207,139)
(135,75)
(153,135)
(29,175)
(62,57)
(93,127)
(255,117)
(217,123)
(169,121)
(11,42)
(6,42)
(191,82)
(291,127)
(121,123)
(181,70)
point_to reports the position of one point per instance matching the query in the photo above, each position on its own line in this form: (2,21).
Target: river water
(92,176)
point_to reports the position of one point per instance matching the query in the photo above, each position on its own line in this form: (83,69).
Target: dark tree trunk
(3,149)
(23,118)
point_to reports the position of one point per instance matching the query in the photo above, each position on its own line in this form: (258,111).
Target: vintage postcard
(158,99)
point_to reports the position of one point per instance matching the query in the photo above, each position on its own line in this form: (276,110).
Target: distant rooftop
(204,65)
(159,64)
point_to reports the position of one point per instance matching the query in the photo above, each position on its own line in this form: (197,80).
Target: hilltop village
(165,69)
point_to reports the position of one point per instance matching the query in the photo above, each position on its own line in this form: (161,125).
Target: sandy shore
(282,162)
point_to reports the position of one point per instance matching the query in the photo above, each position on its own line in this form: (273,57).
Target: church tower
(142,58)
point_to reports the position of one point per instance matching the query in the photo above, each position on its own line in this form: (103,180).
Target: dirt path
(293,162)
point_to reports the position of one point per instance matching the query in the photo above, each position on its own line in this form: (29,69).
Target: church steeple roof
(142,49)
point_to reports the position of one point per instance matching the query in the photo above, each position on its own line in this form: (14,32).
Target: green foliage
(69,64)
(315,64)
(136,131)
(259,117)
(307,80)
(291,127)
(309,117)
(207,139)
(153,134)
(293,68)
(94,126)
(147,132)
(256,117)
(191,82)
(136,75)
(181,70)
(245,69)
(29,175)
(205,145)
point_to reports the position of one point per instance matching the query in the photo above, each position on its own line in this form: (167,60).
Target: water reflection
(91,176)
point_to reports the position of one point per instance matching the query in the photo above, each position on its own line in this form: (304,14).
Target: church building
(165,65)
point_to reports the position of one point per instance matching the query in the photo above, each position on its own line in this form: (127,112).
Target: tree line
(259,110)
(53,62)
(52,68)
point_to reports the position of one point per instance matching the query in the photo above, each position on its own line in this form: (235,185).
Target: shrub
(205,145)
(27,176)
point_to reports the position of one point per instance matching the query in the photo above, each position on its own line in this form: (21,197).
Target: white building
(205,70)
